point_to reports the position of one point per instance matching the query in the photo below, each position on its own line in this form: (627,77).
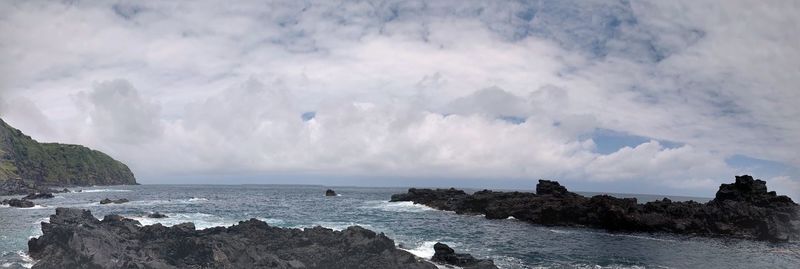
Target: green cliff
(53,164)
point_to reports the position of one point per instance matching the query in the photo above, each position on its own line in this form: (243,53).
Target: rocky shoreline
(74,238)
(744,209)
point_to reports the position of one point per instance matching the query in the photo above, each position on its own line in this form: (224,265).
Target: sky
(665,97)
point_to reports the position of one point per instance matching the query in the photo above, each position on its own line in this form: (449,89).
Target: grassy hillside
(56,164)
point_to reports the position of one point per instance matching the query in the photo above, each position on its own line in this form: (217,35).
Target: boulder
(75,239)
(443,254)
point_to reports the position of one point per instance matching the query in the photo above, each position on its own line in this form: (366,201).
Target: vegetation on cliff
(54,164)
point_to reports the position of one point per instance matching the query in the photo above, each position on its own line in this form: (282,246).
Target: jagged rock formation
(443,254)
(30,166)
(330,192)
(744,209)
(75,239)
(22,203)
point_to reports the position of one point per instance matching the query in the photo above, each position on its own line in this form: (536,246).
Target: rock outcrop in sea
(21,203)
(75,239)
(38,195)
(116,201)
(744,209)
(157,215)
(443,254)
(330,192)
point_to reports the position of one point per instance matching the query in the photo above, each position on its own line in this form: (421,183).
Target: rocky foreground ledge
(744,209)
(76,239)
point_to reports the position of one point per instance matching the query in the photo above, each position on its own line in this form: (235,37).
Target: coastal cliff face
(75,239)
(26,162)
(744,209)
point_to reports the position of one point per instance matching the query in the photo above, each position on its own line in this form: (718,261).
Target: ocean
(415,228)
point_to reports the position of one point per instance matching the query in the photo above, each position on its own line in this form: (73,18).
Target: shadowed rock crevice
(744,209)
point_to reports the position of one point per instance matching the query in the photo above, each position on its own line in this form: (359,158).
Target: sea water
(415,228)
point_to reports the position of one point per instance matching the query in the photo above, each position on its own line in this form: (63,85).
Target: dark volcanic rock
(41,195)
(75,239)
(18,186)
(156,215)
(18,203)
(744,209)
(117,201)
(330,192)
(445,255)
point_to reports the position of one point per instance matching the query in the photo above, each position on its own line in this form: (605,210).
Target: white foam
(559,231)
(27,260)
(200,220)
(35,207)
(336,226)
(105,190)
(423,250)
(196,199)
(5,206)
(271,221)
(398,206)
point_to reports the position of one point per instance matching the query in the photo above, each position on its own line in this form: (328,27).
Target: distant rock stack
(330,192)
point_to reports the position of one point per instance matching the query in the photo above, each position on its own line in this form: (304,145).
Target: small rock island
(330,192)
(743,209)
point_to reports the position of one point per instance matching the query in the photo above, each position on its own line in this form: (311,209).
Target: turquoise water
(511,243)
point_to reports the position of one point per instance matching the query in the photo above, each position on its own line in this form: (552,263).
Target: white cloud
(222,88)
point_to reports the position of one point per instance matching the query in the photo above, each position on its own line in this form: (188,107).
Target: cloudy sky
(670,97)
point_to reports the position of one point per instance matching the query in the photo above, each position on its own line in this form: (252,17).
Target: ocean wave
(200,220)
(613,266)
(20,259)
(422,250)
(398,206)
(104,190)
(335,225)
(272,221)
(197,199)
(35,207)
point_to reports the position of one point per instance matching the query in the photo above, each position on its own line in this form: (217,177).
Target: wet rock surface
(156,215)
(21,203)
(75,239)
(443,254)
(110,201)
(40,195)
(743,209)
